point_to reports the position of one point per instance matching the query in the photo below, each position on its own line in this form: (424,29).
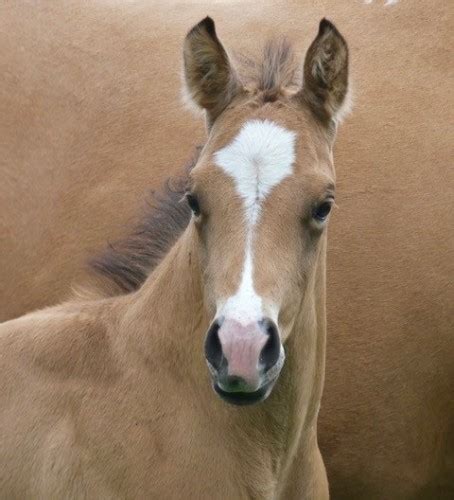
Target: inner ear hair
(325,81)
(211,80)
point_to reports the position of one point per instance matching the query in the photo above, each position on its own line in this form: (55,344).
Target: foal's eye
(322,211)
(193,203)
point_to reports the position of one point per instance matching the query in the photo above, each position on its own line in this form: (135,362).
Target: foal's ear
(325,83)
(210,79)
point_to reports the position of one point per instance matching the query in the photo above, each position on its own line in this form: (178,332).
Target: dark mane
(128,262)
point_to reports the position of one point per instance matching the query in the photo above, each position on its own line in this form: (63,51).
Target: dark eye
(322,211)
(193,203)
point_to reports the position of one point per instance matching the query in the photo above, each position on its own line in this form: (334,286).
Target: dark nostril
(213,348)
(272,349)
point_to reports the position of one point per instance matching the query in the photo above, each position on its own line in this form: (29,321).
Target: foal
(111,398)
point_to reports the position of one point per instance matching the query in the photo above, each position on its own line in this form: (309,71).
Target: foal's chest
(179,455)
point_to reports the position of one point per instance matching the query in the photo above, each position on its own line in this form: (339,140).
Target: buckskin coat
(91,120)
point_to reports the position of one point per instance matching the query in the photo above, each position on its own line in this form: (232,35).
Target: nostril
(271,328)
(272,349)
(213,348)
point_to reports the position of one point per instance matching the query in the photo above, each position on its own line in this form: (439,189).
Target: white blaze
(258,159)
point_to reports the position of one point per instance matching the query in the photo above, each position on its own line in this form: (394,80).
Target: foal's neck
(167,319)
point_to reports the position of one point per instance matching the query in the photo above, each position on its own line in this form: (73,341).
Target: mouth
(245,398)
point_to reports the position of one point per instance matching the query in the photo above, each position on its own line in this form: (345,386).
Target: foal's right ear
(210,79)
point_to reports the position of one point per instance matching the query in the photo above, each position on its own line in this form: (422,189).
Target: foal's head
(261,194)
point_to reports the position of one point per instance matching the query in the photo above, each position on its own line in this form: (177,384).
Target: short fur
(91,121)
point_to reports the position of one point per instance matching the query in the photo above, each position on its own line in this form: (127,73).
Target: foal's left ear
(210,77)
(325,84)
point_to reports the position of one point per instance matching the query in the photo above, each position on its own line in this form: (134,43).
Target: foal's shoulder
(70,340)
(48,322)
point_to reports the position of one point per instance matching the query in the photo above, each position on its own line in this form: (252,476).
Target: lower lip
(244,398)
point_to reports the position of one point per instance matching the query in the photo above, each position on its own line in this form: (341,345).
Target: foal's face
(261,196)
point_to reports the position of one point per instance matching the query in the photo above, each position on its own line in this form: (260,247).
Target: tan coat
(91,119)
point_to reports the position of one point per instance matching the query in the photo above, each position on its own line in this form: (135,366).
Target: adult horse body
(386,418)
